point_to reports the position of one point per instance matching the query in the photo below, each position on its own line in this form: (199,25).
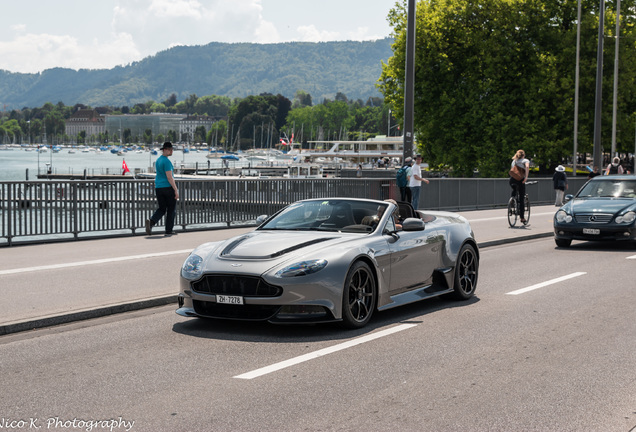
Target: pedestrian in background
(415,182)
(402,178)
(594,173)
(615,167)
(560,183)
(165,190)
(519,160)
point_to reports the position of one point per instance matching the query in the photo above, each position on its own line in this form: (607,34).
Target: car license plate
(237,300)
(594,231)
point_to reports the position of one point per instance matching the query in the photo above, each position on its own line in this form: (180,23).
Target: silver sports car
(335,259)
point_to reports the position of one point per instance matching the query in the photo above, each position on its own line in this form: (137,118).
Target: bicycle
(514,208)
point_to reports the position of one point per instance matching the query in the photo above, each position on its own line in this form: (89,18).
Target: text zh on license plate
(593,231)
(225,299)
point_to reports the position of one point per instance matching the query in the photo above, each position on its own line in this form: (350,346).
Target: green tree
(494,76)
(212,105)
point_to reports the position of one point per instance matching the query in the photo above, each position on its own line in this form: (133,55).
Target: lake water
(15,162)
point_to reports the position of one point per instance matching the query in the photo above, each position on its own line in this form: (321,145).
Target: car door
(414,257)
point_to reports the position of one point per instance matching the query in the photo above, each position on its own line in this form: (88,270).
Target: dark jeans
(405,194)
(521,187)
(167,205)
(415,196)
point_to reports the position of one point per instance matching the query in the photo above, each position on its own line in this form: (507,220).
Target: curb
(100,312)
(87,314)
(514,239)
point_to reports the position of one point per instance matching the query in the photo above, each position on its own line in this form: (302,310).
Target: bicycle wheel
(512,212)
(527,203)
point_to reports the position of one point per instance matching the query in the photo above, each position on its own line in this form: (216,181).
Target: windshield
(609,189)
(329,215)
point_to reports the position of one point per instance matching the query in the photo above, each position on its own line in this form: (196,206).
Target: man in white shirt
(415,182)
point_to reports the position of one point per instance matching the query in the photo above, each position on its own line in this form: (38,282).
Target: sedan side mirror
(567,198)
(261,219)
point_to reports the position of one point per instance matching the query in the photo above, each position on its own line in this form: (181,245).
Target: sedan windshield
(609,189)
(329,215)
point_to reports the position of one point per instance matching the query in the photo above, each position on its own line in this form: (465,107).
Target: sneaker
(149,225)
(171,233)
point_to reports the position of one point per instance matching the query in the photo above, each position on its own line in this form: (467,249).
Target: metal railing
(42,211)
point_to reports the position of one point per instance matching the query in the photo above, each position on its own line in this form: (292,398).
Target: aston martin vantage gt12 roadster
(331,259)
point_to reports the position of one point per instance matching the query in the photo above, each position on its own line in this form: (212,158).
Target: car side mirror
(413,224)
(568,197)
(261,219)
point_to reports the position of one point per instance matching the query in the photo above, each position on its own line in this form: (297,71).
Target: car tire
(359,296)
(466,273)
(563,242)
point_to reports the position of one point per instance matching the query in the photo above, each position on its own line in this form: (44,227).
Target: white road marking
(631,257)
(543,284)
(100,261)
(533,215)
(310,356)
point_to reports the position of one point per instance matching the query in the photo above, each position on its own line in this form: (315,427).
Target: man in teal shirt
(166,191)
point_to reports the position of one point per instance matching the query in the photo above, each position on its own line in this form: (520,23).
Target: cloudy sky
(42,34)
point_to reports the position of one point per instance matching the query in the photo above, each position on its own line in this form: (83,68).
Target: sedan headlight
(192,267)
(302,268)
(627,218)
(562,216)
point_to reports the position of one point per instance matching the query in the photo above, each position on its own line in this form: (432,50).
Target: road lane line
(313,355)
(505,217)
(631,257)
(543,284)
(100,261)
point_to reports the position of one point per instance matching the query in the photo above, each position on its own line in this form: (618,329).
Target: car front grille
(594,217)
(242,312)
(245,286)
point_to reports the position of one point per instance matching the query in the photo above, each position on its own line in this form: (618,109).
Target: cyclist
(519,160)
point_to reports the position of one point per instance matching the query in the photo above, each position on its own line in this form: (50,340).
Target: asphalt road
(547,344)
(51,284)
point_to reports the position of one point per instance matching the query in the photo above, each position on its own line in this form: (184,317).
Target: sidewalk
(52,284)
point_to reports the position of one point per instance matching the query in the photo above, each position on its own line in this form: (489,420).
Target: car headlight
(627,218)
(302,268)
(561,217)
(192,267)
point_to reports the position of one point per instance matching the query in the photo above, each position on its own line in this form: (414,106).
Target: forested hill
(235,70)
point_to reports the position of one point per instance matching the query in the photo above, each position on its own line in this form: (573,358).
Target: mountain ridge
(321,69)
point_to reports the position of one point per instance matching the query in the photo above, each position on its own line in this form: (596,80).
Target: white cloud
(176,8)
(117,32)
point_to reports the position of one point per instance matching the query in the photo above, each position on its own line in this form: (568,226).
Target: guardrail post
(227,203)
(9,214)
(75,210)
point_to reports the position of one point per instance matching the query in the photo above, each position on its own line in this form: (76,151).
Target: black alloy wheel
(359,296)
(466,272)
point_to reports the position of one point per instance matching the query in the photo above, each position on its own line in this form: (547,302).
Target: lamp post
(409,81)
(618,19)
(599,87)
(576,91)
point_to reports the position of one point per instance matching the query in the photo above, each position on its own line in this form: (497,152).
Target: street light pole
(576,90)
(614,108)
(409,81)
(599,87)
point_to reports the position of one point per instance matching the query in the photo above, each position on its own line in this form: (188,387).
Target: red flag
(124,167)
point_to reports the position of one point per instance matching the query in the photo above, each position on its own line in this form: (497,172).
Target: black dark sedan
(603,210)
